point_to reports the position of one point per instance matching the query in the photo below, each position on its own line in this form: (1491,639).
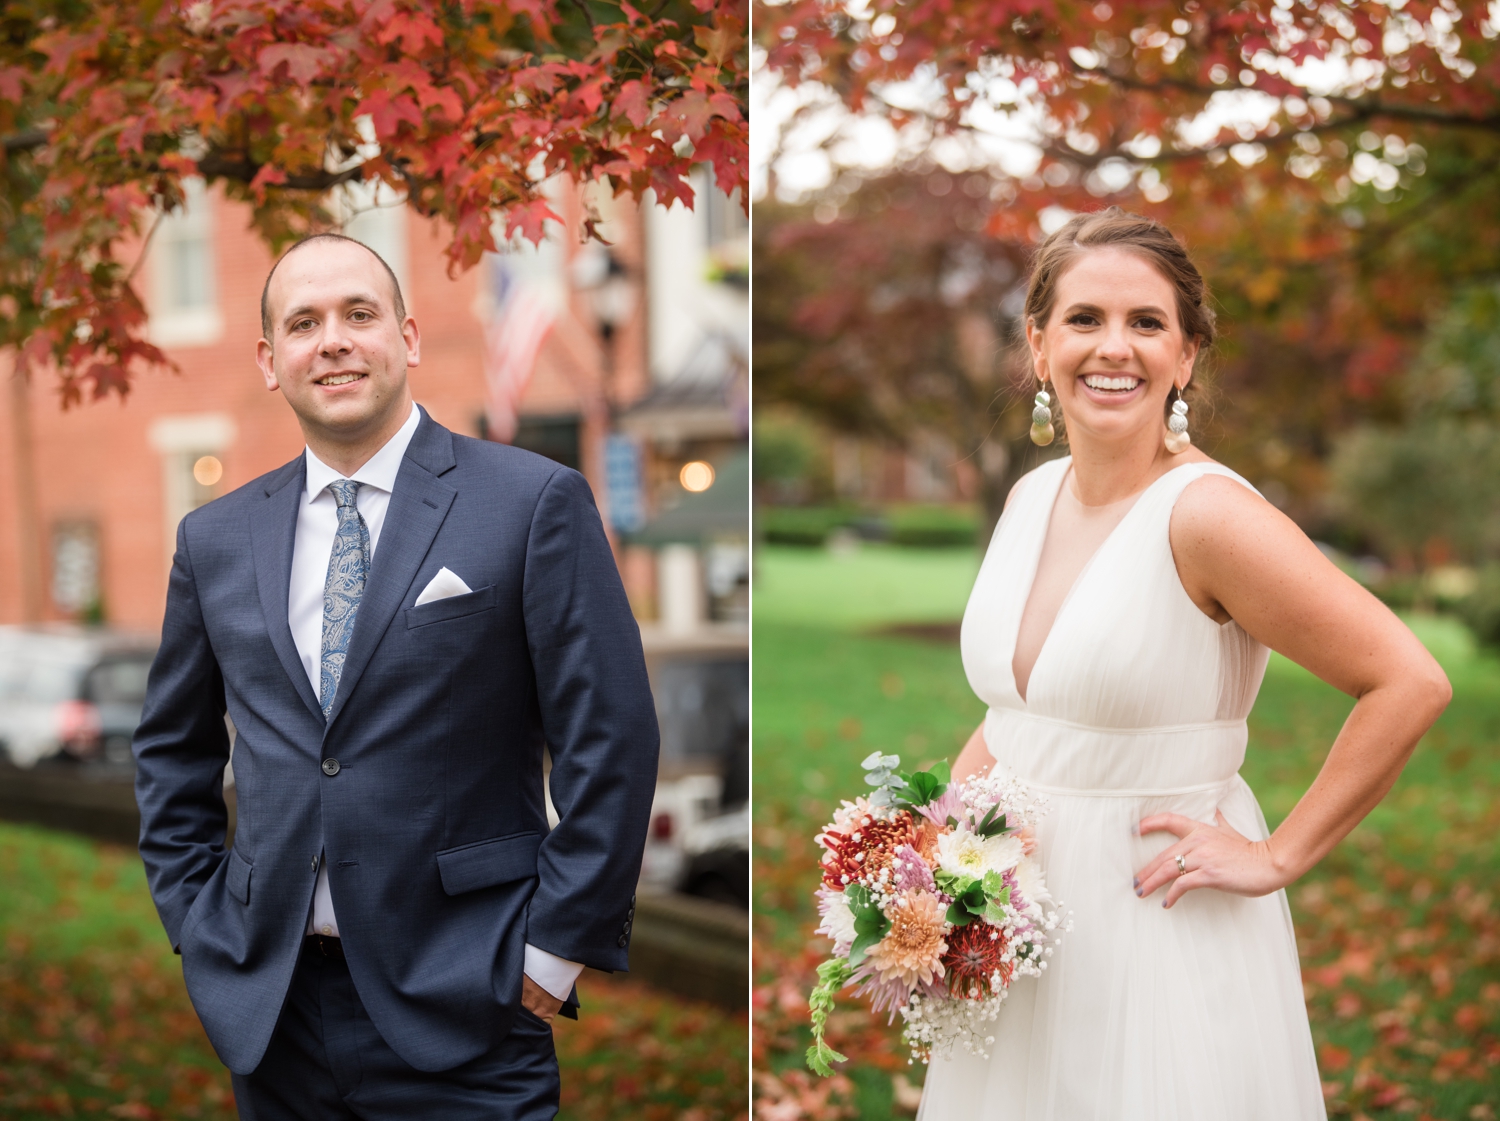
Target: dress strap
(1178,479)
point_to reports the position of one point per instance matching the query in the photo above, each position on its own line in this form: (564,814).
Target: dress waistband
(1058,757)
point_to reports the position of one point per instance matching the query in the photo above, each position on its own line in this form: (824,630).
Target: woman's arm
(1240,558)
(974,759)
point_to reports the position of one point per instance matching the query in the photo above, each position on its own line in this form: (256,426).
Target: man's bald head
(265,292)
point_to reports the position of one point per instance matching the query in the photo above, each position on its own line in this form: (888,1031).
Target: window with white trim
(184,289)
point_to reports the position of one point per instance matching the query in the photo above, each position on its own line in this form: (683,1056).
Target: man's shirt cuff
(553,973)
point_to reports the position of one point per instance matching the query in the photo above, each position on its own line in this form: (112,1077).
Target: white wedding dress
(1136,705)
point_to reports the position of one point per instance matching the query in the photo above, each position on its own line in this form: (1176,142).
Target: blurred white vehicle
(71,694)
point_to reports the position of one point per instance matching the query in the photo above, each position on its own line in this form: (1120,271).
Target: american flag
(514,333)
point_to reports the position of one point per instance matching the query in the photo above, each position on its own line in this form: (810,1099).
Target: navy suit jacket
(439,857)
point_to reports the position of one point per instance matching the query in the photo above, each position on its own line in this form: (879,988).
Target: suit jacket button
(624,941)
(330,767)
(627,927)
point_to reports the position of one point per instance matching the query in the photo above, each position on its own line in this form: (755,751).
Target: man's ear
(265,358)
(413,340)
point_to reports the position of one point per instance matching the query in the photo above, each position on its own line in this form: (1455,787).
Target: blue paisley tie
(348,565)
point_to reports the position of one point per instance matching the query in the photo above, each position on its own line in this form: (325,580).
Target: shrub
(933,526)
(1481,608)
(807,526)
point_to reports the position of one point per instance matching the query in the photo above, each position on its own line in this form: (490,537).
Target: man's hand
(538,1001)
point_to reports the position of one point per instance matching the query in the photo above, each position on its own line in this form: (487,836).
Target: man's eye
(302,325)
(360,316)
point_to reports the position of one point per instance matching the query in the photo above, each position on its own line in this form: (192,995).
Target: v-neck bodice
(1127,648)
(1074,534)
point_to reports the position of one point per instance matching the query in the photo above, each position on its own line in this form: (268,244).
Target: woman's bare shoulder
(1215,512)
(1238,554)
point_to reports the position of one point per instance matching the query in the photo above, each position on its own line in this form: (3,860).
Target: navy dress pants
(326,1062)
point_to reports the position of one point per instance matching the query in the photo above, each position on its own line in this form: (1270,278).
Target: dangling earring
(1177,433)
(1041,419)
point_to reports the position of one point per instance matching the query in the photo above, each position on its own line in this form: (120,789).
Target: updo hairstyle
(1122,230)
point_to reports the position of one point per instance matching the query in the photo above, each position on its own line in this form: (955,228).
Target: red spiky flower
(974,956)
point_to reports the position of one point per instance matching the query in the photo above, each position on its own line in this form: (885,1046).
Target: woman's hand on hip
(1213,856)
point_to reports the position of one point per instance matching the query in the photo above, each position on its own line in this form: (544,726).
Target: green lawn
(95,1022)
(1398,928)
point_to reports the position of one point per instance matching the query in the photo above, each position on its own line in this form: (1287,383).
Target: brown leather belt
(324,946)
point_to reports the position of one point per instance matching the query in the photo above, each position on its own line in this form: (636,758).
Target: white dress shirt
(317,523)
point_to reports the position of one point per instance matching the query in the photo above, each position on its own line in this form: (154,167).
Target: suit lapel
(419,504)
(273,532)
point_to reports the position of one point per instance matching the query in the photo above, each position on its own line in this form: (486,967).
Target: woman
(1118,630)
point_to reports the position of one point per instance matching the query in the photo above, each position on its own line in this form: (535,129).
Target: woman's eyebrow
(1096,310)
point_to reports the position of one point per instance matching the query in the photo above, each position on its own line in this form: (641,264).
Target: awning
(723,510)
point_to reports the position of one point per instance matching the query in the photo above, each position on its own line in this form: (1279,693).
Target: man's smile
(339,379)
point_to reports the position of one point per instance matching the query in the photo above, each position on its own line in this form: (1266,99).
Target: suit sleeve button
(330,767)
(624,941)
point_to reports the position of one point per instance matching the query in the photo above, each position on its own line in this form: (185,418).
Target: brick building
(90,497)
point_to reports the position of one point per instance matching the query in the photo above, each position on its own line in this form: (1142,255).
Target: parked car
(699,838)
(71,695)
(700,824)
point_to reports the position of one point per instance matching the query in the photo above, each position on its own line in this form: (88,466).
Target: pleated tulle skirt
(1145,1014)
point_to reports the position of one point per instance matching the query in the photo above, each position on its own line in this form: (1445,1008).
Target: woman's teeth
(1094,381)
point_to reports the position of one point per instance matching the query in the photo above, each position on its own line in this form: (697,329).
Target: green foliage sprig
(833,975)
(974,897)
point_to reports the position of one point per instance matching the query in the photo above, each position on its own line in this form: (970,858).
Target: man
(396,622)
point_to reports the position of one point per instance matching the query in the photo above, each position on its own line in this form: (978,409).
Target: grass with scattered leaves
(1399,929)
(95,1022)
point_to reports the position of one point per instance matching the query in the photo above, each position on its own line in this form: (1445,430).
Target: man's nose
(335,340)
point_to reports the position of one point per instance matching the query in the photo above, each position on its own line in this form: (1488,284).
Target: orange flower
(927,835)
(912,950)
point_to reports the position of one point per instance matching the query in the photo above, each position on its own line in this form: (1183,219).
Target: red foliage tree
(1351,184)
(464,107)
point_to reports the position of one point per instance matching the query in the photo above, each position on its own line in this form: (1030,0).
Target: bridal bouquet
(934,904)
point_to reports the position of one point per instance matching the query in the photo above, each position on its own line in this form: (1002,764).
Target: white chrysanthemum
(847,818)
(838,920)
(966,853)
(1032,886)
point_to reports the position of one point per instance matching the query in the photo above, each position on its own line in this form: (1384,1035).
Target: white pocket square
(446,583)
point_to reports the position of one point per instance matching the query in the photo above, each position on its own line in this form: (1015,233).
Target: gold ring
(1181,865)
